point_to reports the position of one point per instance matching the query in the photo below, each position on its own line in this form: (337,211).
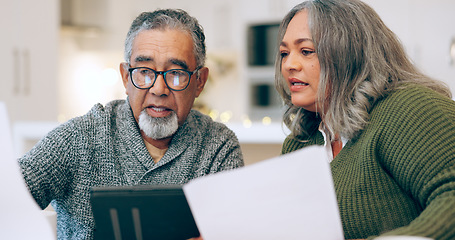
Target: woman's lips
(296,85)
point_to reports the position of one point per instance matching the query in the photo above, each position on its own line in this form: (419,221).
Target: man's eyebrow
(143,59)
(179,62)
(174,61)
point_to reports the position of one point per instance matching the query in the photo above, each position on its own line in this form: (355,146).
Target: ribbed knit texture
(104,147)
(397,177)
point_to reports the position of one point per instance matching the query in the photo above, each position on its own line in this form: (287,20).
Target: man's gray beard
(158,128)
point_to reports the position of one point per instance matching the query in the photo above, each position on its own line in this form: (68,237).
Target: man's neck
(160,143)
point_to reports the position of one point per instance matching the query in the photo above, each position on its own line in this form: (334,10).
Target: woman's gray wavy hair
(361,60)
(168,19)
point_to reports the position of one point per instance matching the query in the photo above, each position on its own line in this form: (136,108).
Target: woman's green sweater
(397,177)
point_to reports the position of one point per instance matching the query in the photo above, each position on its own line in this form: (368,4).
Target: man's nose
(159,88)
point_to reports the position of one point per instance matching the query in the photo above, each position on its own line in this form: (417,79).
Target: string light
(266,120)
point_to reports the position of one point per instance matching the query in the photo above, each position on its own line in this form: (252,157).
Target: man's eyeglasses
(175,79)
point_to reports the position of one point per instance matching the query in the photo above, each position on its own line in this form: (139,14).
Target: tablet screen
(142,212)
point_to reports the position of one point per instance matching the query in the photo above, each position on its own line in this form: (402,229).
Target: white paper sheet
(288,197)
(20,216)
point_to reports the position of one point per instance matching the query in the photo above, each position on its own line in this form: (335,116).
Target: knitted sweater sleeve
(417,146)
(48,168)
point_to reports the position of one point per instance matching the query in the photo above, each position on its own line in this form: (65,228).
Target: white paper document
(20,217)
(287,197)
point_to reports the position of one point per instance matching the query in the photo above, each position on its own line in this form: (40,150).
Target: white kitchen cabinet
(28,63)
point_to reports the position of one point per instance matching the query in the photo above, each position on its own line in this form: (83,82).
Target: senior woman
(389,130)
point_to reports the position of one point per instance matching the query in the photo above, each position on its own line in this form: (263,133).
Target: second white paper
(287,197)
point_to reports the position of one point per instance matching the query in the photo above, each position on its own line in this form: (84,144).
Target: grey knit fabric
(104,147)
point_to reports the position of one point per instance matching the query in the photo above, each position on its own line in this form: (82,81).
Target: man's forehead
(169,46)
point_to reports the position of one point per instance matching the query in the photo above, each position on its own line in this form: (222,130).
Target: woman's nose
(291,62)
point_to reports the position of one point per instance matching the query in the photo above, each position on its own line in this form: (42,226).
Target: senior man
(152,137)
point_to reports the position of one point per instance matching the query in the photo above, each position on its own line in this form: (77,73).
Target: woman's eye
(283,54)
(307,52)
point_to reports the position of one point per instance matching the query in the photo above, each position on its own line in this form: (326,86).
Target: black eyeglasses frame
(190,74)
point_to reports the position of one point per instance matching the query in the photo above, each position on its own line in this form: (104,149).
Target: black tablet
(142,212)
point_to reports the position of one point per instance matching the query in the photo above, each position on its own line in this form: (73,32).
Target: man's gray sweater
(105,148)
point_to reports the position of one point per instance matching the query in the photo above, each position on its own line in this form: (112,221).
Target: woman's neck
(337,145)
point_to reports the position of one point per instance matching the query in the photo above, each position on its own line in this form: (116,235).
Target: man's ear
(202,79)
(124,72)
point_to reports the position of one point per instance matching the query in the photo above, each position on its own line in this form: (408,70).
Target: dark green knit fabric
(397,177)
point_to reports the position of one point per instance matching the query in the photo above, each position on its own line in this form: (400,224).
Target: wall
(426,29)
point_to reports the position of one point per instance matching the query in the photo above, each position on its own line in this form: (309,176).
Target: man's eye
(177,73)
(145,71)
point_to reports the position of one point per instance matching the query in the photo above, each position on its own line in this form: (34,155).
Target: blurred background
(60,57)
